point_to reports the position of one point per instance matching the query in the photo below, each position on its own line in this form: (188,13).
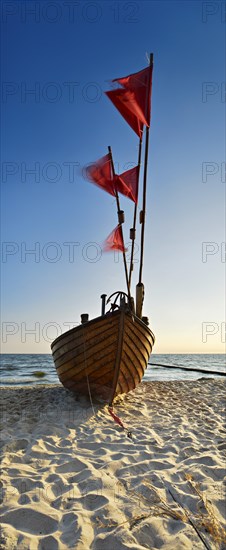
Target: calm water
(22,369)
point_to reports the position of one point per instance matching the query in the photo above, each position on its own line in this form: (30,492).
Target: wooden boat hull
(105,356)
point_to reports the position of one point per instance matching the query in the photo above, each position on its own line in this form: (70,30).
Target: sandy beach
(72,478)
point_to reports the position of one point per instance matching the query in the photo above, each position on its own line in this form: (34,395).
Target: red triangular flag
(124,101)
(114,241)
(140,84)
(100,173)
(127,183)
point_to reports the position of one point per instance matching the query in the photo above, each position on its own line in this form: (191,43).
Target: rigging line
(135,214)
(87,378)
(118,207)
(118,356)
(145,180)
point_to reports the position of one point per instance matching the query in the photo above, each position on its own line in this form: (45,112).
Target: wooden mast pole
(140,286)
(120,221)
(133,229)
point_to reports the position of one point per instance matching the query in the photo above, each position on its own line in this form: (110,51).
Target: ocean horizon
(21,369)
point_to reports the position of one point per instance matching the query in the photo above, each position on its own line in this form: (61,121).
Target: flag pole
(133,229)
(120,221)
(140,286)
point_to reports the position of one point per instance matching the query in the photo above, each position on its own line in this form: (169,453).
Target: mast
(140,286)
(120,221)
(133,229)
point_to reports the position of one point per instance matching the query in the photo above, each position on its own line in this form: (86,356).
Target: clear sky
(66,53)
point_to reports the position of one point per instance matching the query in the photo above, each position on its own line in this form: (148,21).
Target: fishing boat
(107,356)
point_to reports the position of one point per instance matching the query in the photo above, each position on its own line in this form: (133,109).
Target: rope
(87,378)
(119,422)
(188,515)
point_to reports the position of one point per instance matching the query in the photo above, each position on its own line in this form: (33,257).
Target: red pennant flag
(140,85)
(101,174)
(114,241)
(124,101)
(127,183)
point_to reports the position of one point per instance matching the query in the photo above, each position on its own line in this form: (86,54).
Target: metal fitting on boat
(84,318)
(145,320)
(132,304)
(139,299)
(141,216)
(103,304)
(122,301)
(132,234)
(121,216)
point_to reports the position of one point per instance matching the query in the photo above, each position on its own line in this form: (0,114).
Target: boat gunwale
(93,321)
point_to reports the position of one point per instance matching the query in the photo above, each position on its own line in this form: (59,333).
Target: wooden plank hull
(105,356)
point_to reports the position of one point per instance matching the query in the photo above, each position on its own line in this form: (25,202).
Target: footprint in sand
(48,543)
(71,537)
(24,499)
(16,445)
(30,521)
(202,460)
(93,485)
(52,477)
(58,489)
(221,446)
(80,476)
(73,466)
(93,501)
(25,484)
(68,520)
(64,443)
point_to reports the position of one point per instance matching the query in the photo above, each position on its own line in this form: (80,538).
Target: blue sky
(68,52)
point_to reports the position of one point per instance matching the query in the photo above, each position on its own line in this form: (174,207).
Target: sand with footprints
(72,478)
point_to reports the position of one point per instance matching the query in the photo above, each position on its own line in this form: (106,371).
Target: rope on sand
(205,543)
(119,422)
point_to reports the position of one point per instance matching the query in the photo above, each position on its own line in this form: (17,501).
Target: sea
(34,369)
